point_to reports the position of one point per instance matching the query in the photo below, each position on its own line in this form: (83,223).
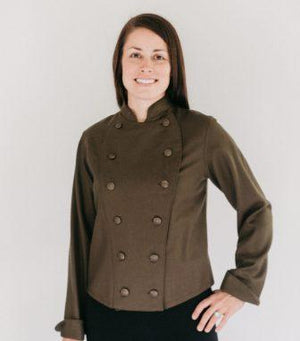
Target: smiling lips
(146,80)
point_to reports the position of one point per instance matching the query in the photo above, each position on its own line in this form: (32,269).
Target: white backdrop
(242,65)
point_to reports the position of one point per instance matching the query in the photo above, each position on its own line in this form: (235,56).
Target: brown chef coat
(138,235)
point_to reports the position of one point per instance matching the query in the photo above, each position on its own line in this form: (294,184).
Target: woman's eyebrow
(138,48)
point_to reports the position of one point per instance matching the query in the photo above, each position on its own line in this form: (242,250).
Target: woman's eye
(160,56)
(134,53)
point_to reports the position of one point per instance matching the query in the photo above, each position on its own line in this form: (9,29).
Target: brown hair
(177,91)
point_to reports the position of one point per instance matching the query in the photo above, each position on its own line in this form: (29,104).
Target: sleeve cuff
(71,328)
(237,288)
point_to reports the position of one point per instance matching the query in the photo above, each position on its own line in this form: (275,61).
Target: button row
(126,292)
(167,152)
(153,257)
(156,220)
(111,185)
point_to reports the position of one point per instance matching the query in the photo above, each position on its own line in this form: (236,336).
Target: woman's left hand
(219,301)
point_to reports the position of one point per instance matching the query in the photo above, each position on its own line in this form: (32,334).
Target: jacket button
(157,220)
(124,292)
(111,156)
(118,125)
(164,183)
(153,292)
(121,255)
(117,219)
(168,152)
(165,122)
(110,186)
(154,258)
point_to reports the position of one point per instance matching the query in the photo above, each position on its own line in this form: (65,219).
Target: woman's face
(145,57)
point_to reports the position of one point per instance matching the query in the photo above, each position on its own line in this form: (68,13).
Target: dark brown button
(118,125)
(124,292)
(164,183)
(153,292)
(168,152)
(110,186)
(157,220)
(117,219)
(111,156)
(165,122)
(121,255)
(154,258)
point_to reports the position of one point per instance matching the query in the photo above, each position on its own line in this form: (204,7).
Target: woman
(138,263)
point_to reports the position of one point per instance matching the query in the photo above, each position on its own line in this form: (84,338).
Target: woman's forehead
(145,39)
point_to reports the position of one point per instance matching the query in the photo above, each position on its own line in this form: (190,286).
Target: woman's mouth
(145,81)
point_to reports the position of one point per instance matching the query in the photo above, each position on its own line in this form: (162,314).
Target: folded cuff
(237,288)
(71,328)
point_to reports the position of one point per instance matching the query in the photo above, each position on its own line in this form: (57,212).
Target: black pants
(106,324)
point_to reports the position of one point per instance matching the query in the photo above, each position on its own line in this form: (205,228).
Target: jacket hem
(168,304)
(187,296)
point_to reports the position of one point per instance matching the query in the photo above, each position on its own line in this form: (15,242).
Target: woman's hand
(219,301)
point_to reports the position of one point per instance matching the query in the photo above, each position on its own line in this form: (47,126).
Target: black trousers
(106,324)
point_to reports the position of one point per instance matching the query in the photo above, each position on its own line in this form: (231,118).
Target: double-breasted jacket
(138,236)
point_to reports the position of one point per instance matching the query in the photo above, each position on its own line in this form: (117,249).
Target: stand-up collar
(154,111)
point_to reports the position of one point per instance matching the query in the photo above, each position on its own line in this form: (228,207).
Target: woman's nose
(146,69)
(147,65)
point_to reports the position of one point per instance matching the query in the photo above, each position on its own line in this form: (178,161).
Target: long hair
(177,91)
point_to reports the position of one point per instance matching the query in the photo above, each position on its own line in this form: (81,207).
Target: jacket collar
(154,111)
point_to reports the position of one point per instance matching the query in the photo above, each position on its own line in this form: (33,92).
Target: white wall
(242,64)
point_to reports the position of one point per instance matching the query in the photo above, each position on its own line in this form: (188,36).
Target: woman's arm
(82,221)
(228,169)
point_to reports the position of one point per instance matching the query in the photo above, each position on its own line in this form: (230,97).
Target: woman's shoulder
(194,119)
(98,128)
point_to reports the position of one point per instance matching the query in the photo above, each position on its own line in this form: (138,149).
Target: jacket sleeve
(82,221)
(228,169)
